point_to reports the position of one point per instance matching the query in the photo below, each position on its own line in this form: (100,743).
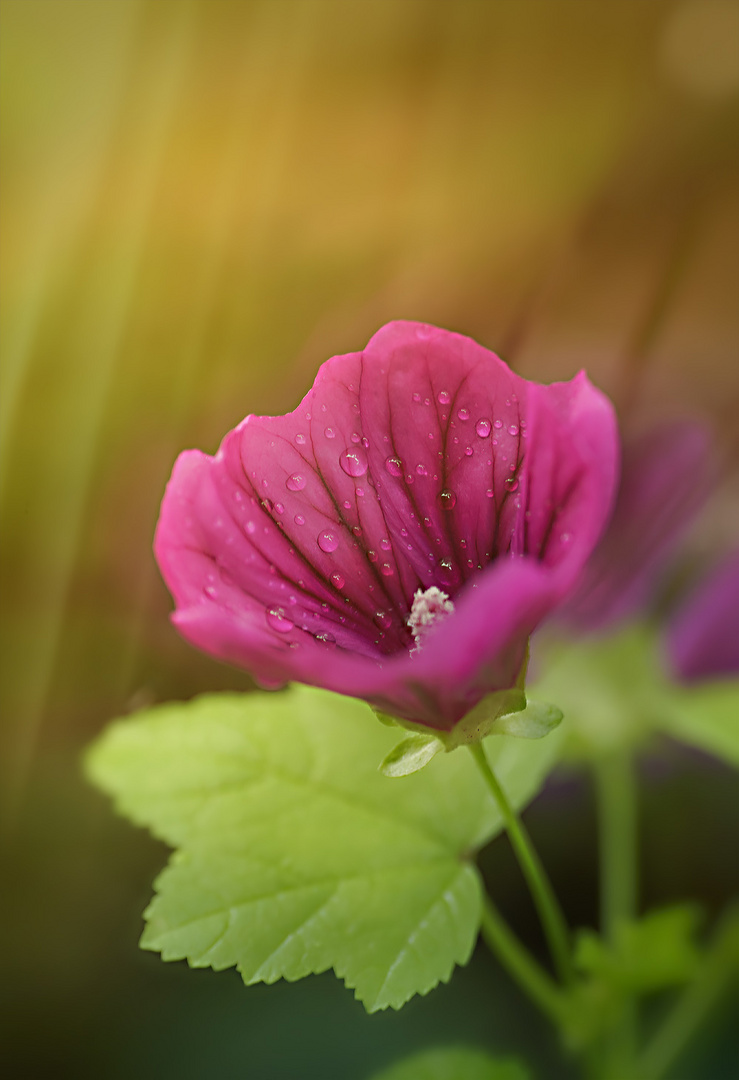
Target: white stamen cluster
(429,608)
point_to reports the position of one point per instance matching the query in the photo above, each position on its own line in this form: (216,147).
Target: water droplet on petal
(356,530)
(299,519)
(346,504)
(329,433)
(353,461)
(511,484)
(326,638)
(211,591)
(463,414)
(337,580)
(279,508)
(386,570)
(444,397)
(447,572)
(394,466)
(422,470)
(328,541)
(482,427)
(383,620)
(498,424)
(490,493)
(513,429)
(296,482)
(360,492)
(278,620)
(250,528)
(468,451)
(355,437)
(417,398)
(447,500)
(300,440)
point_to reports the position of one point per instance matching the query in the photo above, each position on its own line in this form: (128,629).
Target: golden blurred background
(202,201)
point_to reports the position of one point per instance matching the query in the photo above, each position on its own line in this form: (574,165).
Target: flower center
(429,608)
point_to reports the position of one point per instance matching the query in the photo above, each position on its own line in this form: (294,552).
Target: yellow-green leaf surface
(295,854)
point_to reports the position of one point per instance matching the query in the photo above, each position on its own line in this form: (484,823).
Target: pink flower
(703,635)
(667,474)
(398,536)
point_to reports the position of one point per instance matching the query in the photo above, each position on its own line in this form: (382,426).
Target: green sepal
(411,754)
(534,722)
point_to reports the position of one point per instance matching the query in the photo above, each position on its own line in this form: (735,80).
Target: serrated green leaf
(455,1063)
(707,717)
(410,755)
(656,951)
(296,854)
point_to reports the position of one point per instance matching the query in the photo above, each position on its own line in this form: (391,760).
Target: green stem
(617,820)
(541,890)
(520,964)
(692,1007)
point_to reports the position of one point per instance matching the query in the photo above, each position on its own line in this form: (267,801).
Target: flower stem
(520,964)
(617,821)
(540,887)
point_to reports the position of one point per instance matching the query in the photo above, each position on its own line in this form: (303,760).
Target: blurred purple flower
(398,536)
(702,637)
(666,477)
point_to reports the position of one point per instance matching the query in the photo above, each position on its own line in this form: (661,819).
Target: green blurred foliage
(202,200)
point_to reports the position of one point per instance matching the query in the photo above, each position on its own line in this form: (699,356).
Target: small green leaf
(455,1064)
(707,717)
(295,853)
(533,722)
(410,755)
(657,951)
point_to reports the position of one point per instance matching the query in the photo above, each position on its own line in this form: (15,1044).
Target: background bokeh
(203,200)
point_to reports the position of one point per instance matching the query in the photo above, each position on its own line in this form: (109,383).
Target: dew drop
(329,433)
(300,440)
(355,437)
(356,530)
(360,492)
(482,427)
(422,470)
(354,461)
(337,580)
(326,638)
(447,500)
(328,541)
(386,570)
(299,519)
(394,466)
(278,620)
(511,484)
(372,556)
(417,398)
(490,493)
(383,620)
(250,528)
(513,429)
(468,451)
(447,572)
(211,591)
(279,508)
(444,397)
(463,414)
(498,424)
(346,504)
(296,482)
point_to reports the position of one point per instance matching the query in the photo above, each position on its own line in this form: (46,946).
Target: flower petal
(703,636)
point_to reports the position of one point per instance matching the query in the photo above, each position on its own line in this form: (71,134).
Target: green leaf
(455,1064)
(657,951)
(610,689)
(296,853)
(410,755)
(707,717)
(533,722)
